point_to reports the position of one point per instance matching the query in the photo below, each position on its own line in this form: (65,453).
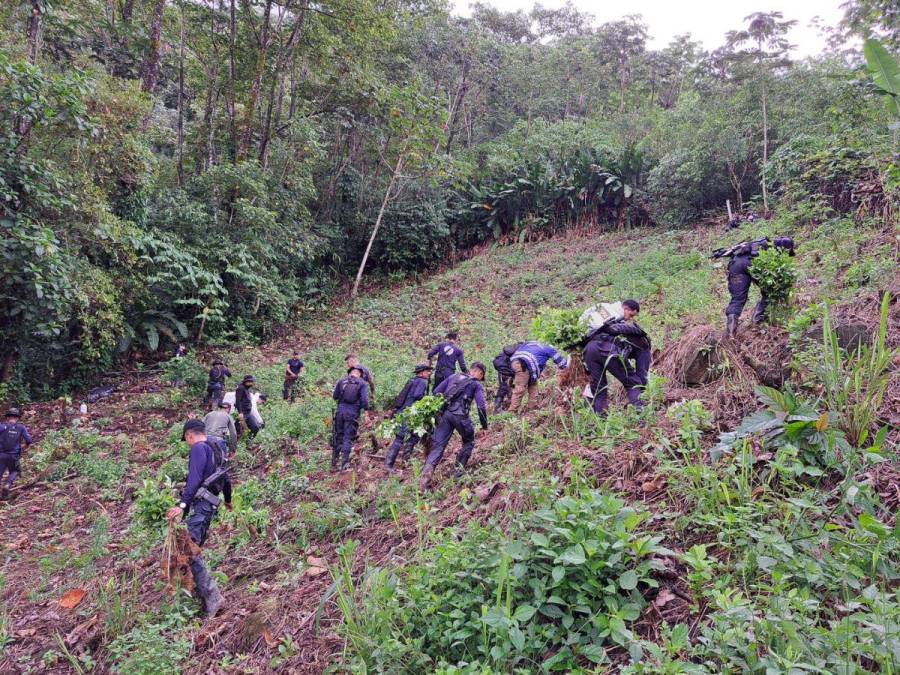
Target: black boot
(207,588)
(731,328)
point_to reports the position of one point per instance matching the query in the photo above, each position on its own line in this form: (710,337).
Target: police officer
(207,479)
(459,391)
(640,347)
(215,388)
(243,403)
(352,396)
(414,391)
(739,279)
(503,366)
(606,351)
(352,361)
(448,354)
(14,438)
(292,377)
(528,363)
(220,424)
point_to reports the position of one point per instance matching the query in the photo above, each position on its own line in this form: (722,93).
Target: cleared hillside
(781,557)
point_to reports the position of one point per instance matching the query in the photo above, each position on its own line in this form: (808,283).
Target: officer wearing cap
(215,388)
(243,403)
(459,391)
(14,438)
(207,479)
(352,396)
(414,391)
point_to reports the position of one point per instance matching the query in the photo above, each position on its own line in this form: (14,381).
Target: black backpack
(350,391)
(10,438)
(455,389)
(216,480)
(217,375)
(503,360)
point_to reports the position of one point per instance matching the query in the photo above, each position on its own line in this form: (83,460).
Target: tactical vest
(11,438)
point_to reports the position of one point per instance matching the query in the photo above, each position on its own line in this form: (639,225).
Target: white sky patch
(706,20)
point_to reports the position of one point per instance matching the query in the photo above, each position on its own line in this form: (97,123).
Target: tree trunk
(34,31)
(180,164)
(151,63)
(387,196)
(765,148)
(259,71)
(232,95)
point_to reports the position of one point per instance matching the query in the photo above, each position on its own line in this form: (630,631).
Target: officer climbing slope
(220,424)
(14,438)
(606,350)
(505,374)
(528,363)
(459,391)
(215,387)
(207,479)
(448,354)
(414,391)
(740,256)
(352,396)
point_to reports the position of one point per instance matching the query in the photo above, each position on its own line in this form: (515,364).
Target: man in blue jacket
(14,438)
(528,363)
(448,354)
(459,391)
(207,479)
(607,350)
(414,391)
(352,396)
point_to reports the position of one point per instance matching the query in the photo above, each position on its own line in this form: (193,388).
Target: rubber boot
(731,328)
(207,588)
(425,479)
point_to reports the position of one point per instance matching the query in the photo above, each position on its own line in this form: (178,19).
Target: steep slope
(280,551)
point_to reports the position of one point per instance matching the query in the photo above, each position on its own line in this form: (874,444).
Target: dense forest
(203,171)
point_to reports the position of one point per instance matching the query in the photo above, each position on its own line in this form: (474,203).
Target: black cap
(224,404)
(422,367)
(452,335)
(192,425)
(218,362)
(785,242)
(248,378)
(356,368)
(13,412)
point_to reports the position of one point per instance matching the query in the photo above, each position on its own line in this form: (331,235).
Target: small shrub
(186,371)
(419,418)
(774,272)
(151,505)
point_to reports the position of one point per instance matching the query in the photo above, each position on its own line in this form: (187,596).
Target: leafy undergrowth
(574,544)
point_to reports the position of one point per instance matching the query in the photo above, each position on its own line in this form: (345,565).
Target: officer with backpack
(352,361)
(215,387)
(606,350)
(414,391)
(459,391)
(448,354)
(352,396)
(292,374)
(740,257)
(220,424)
(14,438)
(505,374)
(528,363)
(207,479)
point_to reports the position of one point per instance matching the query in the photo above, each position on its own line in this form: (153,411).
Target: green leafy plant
(151,503)
(420,418)
(774,272)
(562,328)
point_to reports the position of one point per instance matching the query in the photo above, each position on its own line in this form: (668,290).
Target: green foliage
(186,371)
(562,328)
(773,270)
(420,418)
(150,506)
(565,582)
(158,644)
(885,72)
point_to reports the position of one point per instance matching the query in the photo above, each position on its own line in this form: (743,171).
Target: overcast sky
(706,20)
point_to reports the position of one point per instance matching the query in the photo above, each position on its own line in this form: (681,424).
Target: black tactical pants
(449,423)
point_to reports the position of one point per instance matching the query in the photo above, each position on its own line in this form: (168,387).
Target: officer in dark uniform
(352,396)
(459,390)
(739,279)
(607,351)
(292,377)
(414,391)
(215,388)
(243,403)
(207,479)
(14,438)
(448,354)
(505,374)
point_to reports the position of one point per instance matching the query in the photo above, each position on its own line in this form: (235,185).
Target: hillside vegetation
(575,543)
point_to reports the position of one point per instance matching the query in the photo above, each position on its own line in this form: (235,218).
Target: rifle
(742,248)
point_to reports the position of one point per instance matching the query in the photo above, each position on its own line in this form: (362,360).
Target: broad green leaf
(629,580)
(882,66)
(524,613)
(574,555)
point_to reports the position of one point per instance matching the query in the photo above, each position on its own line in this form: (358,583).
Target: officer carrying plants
(459,391)
(414,391)
(207,479)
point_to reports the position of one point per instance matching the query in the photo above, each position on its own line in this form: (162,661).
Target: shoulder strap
(456,387)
